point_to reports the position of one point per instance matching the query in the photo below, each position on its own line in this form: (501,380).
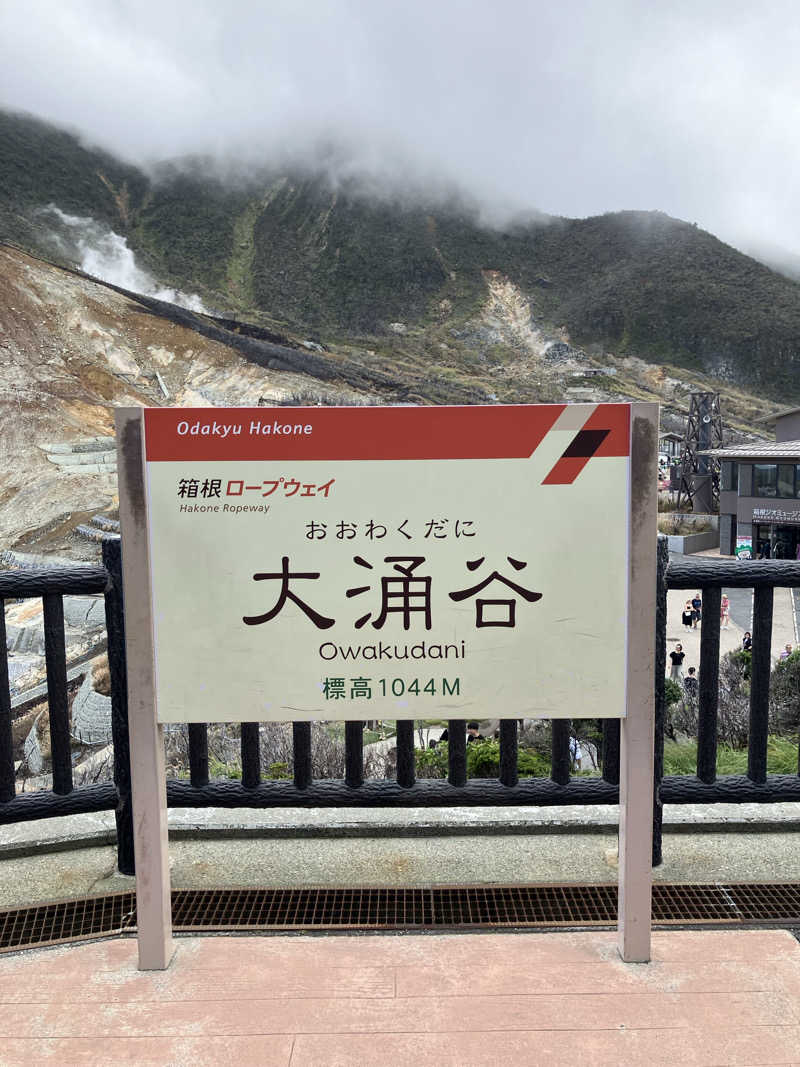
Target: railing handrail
(44,581)
(732,574)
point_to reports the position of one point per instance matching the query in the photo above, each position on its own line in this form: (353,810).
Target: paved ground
(708,998)
(784,621)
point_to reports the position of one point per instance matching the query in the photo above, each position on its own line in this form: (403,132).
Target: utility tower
(698,488)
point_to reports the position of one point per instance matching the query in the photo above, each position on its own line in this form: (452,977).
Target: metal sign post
(637,728)
(397,563)
(148,779)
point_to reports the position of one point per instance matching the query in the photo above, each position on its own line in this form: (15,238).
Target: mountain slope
(322,257)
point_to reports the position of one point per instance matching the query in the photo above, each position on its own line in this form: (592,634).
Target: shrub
(276,752)
(431,762)
(278,770)
(483,761)
(733,719)
(784,695)
(672,692)
(531,764)
(744,658)
(682,758)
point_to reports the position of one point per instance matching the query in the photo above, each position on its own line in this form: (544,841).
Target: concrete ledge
(83,831)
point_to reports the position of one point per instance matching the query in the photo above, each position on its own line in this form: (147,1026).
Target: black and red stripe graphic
(605,433)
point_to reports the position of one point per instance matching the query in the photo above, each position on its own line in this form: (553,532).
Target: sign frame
(154,929)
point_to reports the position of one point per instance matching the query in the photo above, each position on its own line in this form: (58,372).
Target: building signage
(744,547)
(354,563)
(776,515)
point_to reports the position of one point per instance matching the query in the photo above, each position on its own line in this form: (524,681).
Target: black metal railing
(711,577)
(62,799)
(405,790)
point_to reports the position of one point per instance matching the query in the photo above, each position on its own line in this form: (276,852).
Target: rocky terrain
(71,348)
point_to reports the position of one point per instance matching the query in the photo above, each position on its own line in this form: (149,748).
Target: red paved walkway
(708,998)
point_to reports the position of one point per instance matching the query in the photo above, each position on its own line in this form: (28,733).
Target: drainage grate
(696,903)
(68,920)
(196,910)
(779,904)
(290,909)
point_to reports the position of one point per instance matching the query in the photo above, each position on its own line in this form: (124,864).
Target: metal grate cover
(471,907)
(68,920)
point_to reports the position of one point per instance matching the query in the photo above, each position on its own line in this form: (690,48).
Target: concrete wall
(689,543)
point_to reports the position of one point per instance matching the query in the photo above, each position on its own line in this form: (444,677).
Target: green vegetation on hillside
(187,226)
(41,165)
(302,251)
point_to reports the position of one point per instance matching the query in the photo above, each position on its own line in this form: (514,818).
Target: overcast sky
(573,107)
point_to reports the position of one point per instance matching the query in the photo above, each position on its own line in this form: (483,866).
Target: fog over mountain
(571,109)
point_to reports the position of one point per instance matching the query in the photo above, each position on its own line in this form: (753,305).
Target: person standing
(575,753)
(691,686)
(725,610)
(747,642)
(677,657)
(697,605)
(687,615)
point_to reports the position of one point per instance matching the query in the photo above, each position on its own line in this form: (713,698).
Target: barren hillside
(72,349)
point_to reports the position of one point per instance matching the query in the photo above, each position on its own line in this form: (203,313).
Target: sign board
(401,563)
(744,547)
(782,515)
(524,537)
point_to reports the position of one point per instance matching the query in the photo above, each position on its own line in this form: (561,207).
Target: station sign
(400,563)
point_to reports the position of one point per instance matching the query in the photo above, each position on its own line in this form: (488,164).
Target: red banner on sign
(497,432)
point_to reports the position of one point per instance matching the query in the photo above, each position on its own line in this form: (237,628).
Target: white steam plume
(105,254)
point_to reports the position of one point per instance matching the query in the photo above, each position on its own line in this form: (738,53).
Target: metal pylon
(698,489)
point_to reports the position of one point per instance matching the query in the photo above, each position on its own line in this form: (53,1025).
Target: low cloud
(571,109)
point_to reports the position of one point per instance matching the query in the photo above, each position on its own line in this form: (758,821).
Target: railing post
(457,752)
(115,629)
(709,685)
(251,755)
(610,753)
(560,764)
(301,754)
(509,747)
(406,771)
(354,754)
(198,754)
(56,664)
(662,562)
(759,684)
(7,780)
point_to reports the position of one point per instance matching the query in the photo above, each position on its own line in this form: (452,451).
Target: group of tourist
(691,617)
(693,611)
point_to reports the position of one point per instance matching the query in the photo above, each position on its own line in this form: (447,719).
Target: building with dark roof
(759,501)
